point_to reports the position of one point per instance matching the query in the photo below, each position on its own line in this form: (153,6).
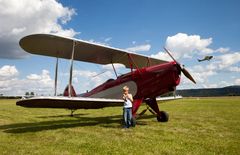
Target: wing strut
(114,70)
(132,63)
(71,70)
(56,77)
(148,62)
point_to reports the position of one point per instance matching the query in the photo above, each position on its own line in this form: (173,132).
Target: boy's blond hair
(125,88)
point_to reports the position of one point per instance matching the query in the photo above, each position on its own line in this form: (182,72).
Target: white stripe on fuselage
(116,91)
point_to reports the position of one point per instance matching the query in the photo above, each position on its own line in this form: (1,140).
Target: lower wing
(75,102)
(69,103)
(168,98)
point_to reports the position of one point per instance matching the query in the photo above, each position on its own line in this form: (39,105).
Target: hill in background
(208,92)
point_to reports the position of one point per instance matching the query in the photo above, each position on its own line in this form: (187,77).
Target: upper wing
(69,103)
(56,46)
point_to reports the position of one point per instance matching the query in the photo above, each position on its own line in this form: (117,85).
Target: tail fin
(73,93)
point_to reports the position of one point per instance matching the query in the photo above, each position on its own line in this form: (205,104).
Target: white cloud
(90,79)
(162,56)
(200,74)
(237,81)
(45,78)
(139,48)
(224,83)
(8,72)
(184,45)
(216,85)
(87,79)
(43,84)
(33,77)
(24,17)
(234,69)
(116,66)
(222,50)
(98,42)
(229,59)
(12,85)
(108,39)
(93,76)
(85,73)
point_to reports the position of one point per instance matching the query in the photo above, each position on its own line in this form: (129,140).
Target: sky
(190,29)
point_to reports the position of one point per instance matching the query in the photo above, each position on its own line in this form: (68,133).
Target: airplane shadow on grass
(107,122)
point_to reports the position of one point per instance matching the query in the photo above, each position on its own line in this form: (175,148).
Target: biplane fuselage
(148,82)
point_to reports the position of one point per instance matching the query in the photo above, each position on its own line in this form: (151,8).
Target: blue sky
(190,29)
(155,20)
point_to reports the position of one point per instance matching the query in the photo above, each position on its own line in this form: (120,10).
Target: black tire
(163,117)
(133,122)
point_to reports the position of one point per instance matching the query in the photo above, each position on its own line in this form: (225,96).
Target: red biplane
(148,79)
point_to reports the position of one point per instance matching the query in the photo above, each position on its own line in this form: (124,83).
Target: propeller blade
(185,72)
(188,75)
(168,52)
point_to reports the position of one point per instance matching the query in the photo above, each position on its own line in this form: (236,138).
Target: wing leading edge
(69,103)
(61,47)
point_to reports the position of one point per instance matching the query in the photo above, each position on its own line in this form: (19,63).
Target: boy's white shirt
(128,102)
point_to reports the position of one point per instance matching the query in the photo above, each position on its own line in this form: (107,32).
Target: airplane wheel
(163,117)
(133,122)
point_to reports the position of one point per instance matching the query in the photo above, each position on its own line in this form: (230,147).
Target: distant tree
(27,93)
(32,93)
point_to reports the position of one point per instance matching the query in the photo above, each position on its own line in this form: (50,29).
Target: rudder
(73,93)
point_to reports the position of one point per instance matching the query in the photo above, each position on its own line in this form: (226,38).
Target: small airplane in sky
(205,58)
(148,79)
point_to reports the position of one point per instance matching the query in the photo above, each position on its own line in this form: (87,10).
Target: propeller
(188,75)
(183,70)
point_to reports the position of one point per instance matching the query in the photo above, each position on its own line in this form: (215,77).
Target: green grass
(196,126)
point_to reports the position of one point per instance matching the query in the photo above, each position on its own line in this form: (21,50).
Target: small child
(127,107)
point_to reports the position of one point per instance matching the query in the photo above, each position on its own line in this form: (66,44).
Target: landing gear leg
(162,116)
(136,104)
(133,122)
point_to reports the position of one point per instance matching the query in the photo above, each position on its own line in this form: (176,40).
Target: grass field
(196,126)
